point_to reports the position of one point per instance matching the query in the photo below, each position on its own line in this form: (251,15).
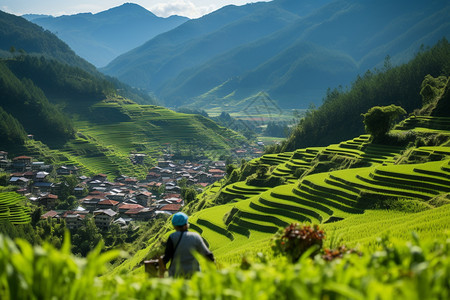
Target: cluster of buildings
(119,201)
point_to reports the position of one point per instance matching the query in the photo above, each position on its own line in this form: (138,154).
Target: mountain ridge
(395,29)
(102,36)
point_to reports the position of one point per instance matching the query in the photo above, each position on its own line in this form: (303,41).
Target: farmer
(180,248)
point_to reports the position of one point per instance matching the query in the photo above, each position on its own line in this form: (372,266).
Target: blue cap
(179,219)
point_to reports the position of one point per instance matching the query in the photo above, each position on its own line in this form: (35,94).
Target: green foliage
(261,171)
(23,100)
(339,117)
(11,131)
(405,205)
(189,194)
(388,270)
(276,129)
(46,273)
(18,33)
(432,88)
(380,119)
(86,238)
(296,239)
(59,80)
(67,185)
(4,179)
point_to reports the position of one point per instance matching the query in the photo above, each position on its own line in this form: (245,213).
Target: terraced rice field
(365,228)
(425,122)
(111,131)
(241,190)
(12,208)
(325,198)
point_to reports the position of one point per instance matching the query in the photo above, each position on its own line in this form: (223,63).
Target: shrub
(380,119)
(296,239)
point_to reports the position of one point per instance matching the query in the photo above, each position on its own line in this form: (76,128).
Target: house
(41,166)
(108,204)
(90,203)
(173,189)
(67,170)
(94,184)
(117,196)
(170,208)
(166,174)
(123,223)
(40,176)
(156,170)
(4,164)
(22,163)
(4,155)
(203,177)
(28,175)
(217,172)
(127,206)
(22,182)
(153,176)
(104,217)
(131,181)
(78,191)
(174,200)
(100,177)
(164,163)
(220,165)
(51,214)
(141,214)
(143,198)
(49,201)
(74,220)
(43,187)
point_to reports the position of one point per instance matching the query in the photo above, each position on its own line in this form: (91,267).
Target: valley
(308,142)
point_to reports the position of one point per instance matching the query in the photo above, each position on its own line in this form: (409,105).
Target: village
(121,200)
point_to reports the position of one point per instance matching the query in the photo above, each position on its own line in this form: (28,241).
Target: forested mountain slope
(78,118)
(339,117)
(17,34)
(103,36)
(295,61)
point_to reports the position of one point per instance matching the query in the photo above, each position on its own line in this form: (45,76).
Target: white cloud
(181,8)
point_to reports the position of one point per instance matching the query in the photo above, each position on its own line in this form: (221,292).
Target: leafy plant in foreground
(296,239)
(390,269)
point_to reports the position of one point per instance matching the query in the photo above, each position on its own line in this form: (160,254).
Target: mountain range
(101,37)
(56,106)
(292,50)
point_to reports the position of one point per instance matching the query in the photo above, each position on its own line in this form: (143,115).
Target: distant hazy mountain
(19,37)
(101,37)
(18,33)
(293,50)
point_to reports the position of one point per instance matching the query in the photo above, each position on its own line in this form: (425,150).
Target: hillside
(298,55)
(203,39)
(384,207)
(20,38)
(339,117)
(395,186)
(101,37)
(25,36)
(77,118)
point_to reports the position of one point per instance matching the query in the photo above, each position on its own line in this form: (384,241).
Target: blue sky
(188,8)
